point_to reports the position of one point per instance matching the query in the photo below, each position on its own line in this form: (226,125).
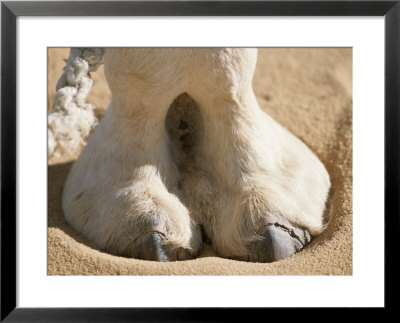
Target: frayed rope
(72,119)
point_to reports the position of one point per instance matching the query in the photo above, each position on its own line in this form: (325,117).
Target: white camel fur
(153,181)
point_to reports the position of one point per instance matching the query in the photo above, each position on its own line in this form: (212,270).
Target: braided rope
(72,119)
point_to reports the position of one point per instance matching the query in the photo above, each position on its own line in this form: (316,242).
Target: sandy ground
(308,91)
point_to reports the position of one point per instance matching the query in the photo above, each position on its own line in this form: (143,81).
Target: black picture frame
(10,10)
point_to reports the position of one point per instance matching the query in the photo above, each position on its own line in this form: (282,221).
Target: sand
(308,91)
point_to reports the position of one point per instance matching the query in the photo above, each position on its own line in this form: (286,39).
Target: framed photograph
(327,71)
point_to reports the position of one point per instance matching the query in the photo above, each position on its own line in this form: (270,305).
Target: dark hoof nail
(278,243)
(151,246)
